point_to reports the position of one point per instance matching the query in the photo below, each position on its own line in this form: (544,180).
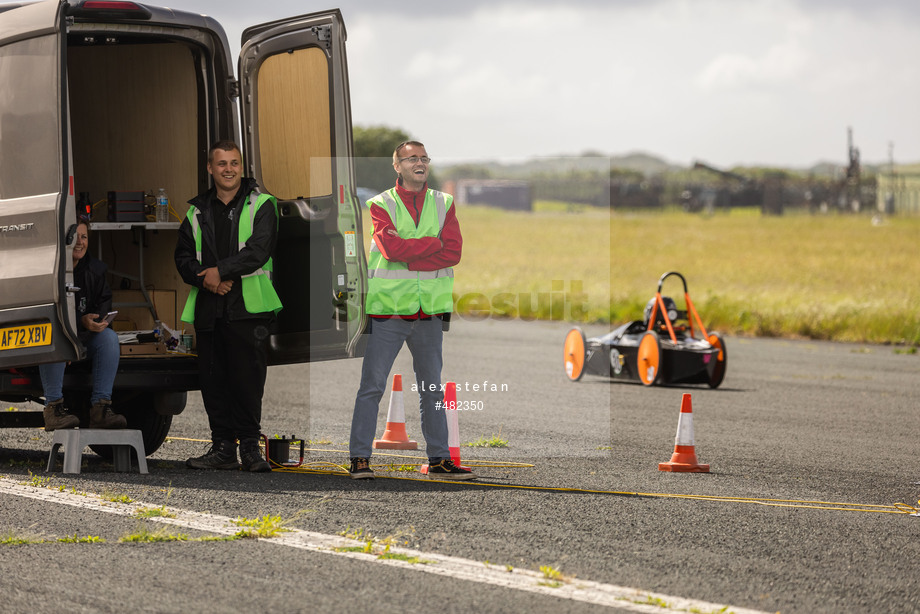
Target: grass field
(834,277)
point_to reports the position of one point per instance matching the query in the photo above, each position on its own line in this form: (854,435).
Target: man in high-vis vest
(224,253)
(416,242)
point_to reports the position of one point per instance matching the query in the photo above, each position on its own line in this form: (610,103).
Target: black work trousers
(231,364)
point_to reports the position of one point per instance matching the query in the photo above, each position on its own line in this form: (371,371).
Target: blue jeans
(102,348)
(424,338)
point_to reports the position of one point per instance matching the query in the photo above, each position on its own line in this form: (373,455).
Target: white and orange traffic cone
(453,425)
(395,437)
(684,457)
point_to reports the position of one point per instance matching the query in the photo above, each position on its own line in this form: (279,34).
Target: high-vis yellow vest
(259,294)
(392,288)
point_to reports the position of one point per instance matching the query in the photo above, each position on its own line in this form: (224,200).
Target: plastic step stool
(75,440)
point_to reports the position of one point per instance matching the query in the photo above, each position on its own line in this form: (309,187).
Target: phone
(109,317)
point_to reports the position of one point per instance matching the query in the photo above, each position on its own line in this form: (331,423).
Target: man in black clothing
(224,252)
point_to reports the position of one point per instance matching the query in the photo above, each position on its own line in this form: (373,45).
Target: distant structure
(504,194)
(734,190)
(898,191)
(851,195)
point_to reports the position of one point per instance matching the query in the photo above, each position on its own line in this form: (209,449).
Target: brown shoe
(101,416)
(56,417)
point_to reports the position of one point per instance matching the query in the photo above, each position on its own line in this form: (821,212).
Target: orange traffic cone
(395,437)
(684,457)
(453,423)
(453,426)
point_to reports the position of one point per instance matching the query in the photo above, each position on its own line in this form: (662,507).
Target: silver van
(104,103)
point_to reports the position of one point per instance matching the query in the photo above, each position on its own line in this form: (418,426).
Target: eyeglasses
(416,159)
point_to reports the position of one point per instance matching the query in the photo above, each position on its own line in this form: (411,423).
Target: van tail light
(18,378)
(110,9)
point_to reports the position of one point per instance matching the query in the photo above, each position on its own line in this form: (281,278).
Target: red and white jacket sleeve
(449,253)
(424,254)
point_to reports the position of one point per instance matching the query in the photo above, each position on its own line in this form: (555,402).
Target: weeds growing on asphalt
(649,600)
(495,441)
(412,560)
(356,534)
(154,512)
(115,498)
(37,480)
(366,549)
(262,527)
(11,539)
(401,468)
(553,578)
(373,545)
(86,539)
(146,536)
(218,538)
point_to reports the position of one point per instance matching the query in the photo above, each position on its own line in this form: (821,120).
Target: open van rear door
(37,215)
(297,143)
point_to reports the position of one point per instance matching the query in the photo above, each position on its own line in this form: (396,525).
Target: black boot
(251,457)
(221,455)
(56,417)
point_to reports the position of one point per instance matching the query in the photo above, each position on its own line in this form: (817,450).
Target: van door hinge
(323,33)
(233,87)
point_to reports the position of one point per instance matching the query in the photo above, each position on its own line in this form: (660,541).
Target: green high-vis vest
(259,294)
(392,288)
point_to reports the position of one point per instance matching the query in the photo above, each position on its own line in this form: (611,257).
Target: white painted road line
(625,598)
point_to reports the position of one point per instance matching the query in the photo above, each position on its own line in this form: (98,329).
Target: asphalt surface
(796,429)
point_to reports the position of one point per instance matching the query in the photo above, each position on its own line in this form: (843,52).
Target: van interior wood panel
(294,124)
(134,127)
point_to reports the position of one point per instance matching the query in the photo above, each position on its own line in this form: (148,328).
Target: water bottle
(162,206)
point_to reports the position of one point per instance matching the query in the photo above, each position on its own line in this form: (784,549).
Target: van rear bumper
(172,374)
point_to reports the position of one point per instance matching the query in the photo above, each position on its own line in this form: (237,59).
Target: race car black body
(661,349)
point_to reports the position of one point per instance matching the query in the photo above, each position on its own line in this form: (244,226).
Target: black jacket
(94,295)
(254,255)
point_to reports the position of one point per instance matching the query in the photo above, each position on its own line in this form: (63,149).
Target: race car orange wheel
(718,374)
(648,359)
(573,354)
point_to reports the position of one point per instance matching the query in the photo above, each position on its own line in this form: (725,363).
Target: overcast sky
(750,82)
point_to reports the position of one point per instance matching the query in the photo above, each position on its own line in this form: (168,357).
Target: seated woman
(93,302)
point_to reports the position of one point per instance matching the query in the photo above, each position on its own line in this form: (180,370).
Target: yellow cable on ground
(325,468)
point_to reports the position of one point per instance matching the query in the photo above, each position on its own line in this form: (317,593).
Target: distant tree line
(374,147)
(581,179)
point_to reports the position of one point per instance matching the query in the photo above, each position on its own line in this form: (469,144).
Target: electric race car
(662,348)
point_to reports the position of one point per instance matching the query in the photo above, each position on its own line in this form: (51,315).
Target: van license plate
(32,335)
